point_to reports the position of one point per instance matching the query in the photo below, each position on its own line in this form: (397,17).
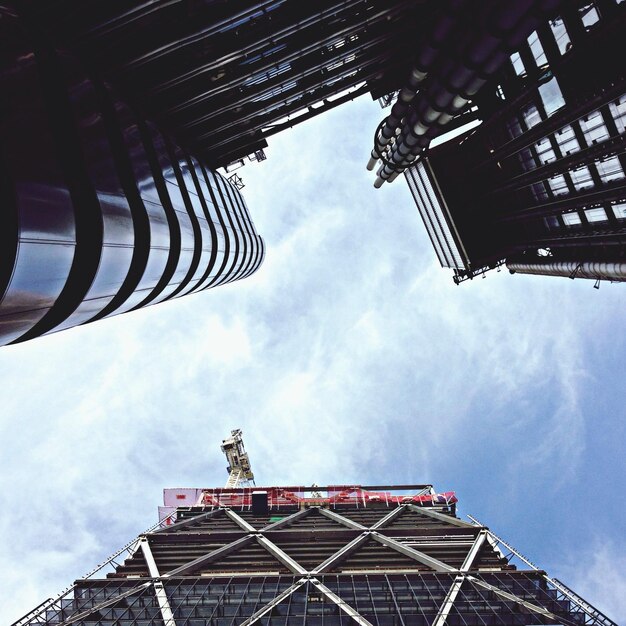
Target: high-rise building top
(370,555)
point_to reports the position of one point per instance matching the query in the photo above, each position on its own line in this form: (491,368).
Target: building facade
(115,116)
(102,212)
(379,555)
(540,183)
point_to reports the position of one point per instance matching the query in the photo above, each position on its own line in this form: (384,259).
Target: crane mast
(239,471)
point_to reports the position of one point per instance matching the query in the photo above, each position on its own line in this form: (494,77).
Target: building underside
(540,184)
(385,556)
(120,112)
(221,77)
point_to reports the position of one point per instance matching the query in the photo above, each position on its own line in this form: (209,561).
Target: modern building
(539,184)
(102,212)
(371,555)
(116,115)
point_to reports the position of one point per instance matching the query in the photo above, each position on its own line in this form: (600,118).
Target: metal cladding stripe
(216,201)
(141,221)
(201,187)
(221,206)
(155,152)
(240,242)
(247,225)
(238,226)
(57,259)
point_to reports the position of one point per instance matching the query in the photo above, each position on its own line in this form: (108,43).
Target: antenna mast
(239,471)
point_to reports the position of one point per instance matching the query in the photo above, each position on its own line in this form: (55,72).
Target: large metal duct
(596,270)
(459,73)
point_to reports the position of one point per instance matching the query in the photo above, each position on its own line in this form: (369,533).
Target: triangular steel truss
(418,587)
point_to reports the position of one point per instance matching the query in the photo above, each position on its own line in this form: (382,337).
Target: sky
(349,357)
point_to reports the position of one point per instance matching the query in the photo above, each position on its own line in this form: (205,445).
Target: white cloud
(597,572)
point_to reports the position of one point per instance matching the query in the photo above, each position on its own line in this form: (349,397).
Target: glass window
(518,64)
(545,153)
(589,15)
(551,222)
(561,35)
(537,49)
(594,128)
(610,169)
(618,111)
(582,178)
(619,210)
(558,185)
(539,191)
(515,128)
(531,116)
(596,215)
(527,159)
(566,138)
(571,219)
(551,96)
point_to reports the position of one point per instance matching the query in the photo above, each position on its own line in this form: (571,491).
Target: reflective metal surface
(101,213)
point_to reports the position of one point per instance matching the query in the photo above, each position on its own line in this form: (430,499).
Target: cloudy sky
(350,357)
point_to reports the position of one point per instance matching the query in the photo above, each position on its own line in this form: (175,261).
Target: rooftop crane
(239,471)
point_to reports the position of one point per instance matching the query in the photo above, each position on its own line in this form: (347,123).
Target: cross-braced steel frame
(401,564)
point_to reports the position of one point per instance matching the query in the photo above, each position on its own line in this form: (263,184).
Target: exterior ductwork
(455,80)
(598,270)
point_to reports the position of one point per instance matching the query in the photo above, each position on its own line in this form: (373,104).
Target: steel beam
(240,521)
(448,601)
(582,604)
(253,619)
(389,517)
(159,589)
(449,519)
(281,555)
(343,606)
(341,554)
(429,561)
(457,583)
(105,604)
(342,520)
(513,598)
(287,520)
(212,556)
(189,522)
